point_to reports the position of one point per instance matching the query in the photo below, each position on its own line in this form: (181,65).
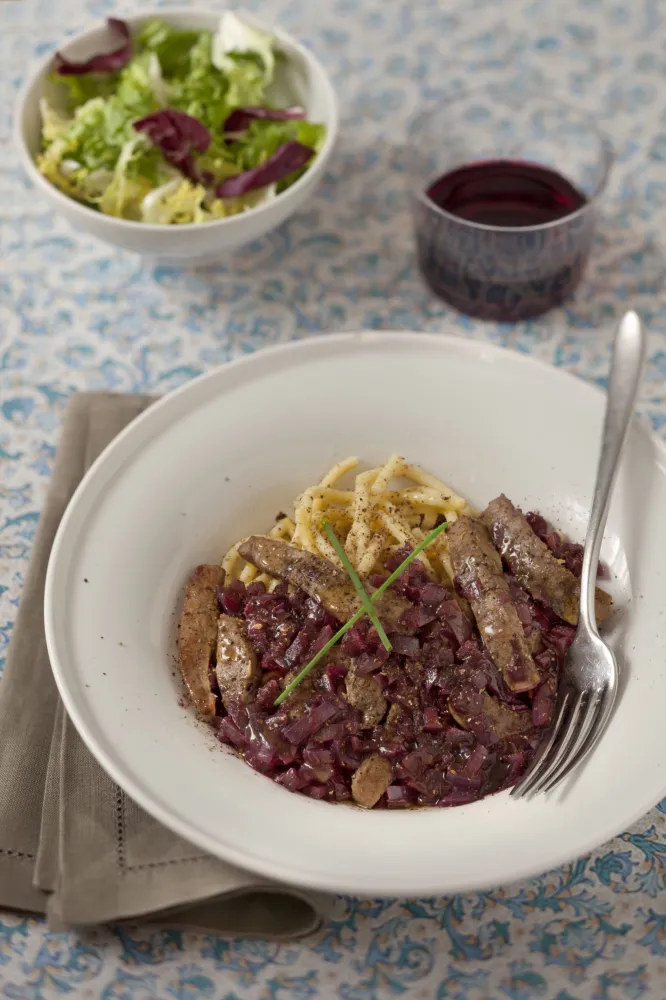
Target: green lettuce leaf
(55,125)
(263,138)
(179,201)
(171,47)
(246,80)
(236,37)
(81,89)
(141,88)
(131,182)
(202,91)
(98,134)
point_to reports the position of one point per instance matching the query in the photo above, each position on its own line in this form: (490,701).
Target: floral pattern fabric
(75,314)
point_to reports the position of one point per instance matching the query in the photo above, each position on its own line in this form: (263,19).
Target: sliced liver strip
(320,579)
(480,578)
(534,565)
(237,669)
(197,636)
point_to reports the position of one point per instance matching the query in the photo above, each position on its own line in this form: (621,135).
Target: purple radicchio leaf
(178,135)
(104,62)
(239,119)
(284,161)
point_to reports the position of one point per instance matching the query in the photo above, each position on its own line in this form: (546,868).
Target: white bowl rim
(165,13)
(273,869)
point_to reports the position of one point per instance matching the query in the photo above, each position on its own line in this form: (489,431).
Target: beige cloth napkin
(71,843)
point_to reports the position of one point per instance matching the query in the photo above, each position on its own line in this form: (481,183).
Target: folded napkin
(71,843)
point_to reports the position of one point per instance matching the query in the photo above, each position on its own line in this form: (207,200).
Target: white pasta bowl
(213,462)
(300,75)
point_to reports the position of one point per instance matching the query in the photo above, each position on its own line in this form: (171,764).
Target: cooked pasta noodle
(388,507)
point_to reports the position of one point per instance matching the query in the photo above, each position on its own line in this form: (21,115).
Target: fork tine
(597,714)
(535,769)
(587,717)
(562,747)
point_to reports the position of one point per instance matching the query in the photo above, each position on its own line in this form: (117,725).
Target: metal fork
(588,683)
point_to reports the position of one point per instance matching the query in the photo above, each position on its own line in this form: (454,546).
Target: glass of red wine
(506,186)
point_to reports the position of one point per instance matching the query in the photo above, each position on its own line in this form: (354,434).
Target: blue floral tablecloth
(75,315)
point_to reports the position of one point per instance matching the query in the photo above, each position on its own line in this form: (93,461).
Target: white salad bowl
(214,462)
(300,77)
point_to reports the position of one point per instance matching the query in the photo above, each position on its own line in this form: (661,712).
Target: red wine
(511,243)
(506,193)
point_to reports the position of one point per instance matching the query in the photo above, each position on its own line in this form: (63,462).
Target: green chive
(358,586)
(359,614)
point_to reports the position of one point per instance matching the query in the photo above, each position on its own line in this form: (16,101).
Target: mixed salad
(175,126)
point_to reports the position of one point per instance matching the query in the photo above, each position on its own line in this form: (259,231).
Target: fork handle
(627,363)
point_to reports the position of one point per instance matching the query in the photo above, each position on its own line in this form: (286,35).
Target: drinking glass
(537,168)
